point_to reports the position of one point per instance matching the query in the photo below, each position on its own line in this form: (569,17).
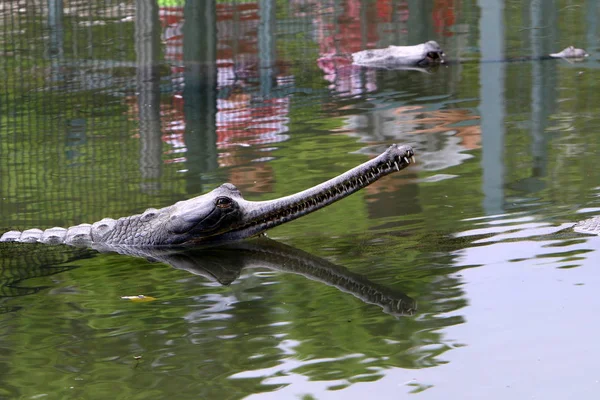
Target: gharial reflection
(222,264)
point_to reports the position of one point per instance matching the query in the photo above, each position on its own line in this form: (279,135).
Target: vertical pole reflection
(266,44)
(200,90)
(147,49)
(591,14)
(55,24)
(543,88)
(419,22)
(491,107)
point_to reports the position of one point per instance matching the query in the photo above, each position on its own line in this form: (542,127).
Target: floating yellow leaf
(138,298)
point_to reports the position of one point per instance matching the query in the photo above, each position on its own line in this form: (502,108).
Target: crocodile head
(433,54)
(224,215)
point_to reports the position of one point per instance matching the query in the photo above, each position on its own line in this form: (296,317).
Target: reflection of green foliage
(86,157)
(105,45)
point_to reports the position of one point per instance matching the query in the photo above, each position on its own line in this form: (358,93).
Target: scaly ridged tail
(78,235)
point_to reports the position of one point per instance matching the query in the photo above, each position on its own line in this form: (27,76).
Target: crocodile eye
(223,202)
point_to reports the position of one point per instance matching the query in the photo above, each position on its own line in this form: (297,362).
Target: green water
(484,289)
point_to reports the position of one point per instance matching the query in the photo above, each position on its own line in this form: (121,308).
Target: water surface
(456,278)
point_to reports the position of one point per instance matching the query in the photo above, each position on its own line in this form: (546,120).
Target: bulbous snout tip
(402,153)
(402,150)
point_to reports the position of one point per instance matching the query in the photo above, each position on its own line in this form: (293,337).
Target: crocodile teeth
(406,160)
(412,158)
(397,166)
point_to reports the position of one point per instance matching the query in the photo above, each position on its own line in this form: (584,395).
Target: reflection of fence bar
(492,107)
(56,27)
(200,91)
(266,43)
(147,42)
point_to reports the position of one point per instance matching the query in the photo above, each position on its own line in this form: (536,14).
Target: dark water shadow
(20,262)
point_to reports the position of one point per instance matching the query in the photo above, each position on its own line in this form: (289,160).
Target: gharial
(221,215)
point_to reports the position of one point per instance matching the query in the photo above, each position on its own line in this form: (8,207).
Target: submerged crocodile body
(221,215)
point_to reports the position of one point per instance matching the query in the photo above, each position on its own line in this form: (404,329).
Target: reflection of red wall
(242,119)
(344,35)
(443,16)
(170,15)
(237,26)
(384,10)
